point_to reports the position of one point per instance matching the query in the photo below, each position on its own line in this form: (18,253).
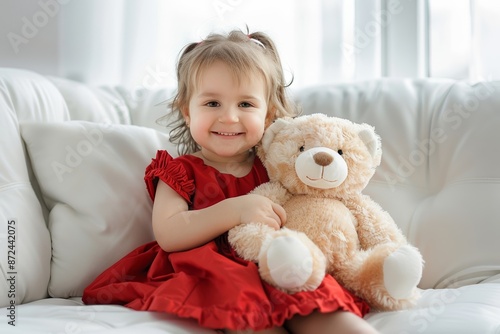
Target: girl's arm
(176,228)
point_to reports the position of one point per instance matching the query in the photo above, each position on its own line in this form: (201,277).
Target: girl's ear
(185,114)
(270,117)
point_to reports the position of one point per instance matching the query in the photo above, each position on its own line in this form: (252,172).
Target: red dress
(209,283)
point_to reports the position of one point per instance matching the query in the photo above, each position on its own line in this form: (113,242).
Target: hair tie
(256,41)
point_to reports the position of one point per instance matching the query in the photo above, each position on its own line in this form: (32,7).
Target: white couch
(73,200)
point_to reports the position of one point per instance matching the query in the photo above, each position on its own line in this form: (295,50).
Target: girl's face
(226,118)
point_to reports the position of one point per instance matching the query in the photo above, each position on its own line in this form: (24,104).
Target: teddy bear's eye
(340,152)
(301,149)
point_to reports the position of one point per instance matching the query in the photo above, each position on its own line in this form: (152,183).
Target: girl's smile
(227,134)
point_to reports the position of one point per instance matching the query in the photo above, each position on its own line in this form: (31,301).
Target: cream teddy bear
(318,166)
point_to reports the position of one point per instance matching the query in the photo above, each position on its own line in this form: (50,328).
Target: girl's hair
(244,54)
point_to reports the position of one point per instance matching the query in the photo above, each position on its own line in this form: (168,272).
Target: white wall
(136,42)
(29,34)
(92,41)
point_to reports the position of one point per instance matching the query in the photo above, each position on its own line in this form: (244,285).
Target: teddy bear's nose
(322,158)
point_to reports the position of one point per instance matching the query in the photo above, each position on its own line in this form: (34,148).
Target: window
(325,41)
(136,43)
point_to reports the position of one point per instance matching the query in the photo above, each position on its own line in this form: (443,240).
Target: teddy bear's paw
(402,272)
(247,239)
(392,304)
(290,264)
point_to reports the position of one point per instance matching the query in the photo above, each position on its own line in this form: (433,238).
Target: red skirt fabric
(218,289)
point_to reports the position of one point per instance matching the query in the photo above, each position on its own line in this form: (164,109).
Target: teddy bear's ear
(271,131)
(371,140)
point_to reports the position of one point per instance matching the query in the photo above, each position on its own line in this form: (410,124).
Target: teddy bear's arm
(374,224)
(274,191)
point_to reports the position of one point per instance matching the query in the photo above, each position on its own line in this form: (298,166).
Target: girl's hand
(260,209)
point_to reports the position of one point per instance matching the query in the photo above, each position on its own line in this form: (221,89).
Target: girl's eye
(245,105)
(213,104)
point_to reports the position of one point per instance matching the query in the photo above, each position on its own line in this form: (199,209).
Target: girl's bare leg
(328,323)
(277,330)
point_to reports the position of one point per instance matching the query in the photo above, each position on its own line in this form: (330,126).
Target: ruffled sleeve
(172,172)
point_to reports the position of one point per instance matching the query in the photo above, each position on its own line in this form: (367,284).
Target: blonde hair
(244,54)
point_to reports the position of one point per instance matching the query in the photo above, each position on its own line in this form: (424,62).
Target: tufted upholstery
(439,179)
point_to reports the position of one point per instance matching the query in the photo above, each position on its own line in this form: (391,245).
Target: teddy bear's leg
(387,276)
(291,261)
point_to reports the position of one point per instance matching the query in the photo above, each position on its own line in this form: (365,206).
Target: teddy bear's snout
(321,167)
(323,158)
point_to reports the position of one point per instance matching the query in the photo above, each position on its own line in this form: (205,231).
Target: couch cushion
(71,316)
(91,104)
(23,231)
(465,310)
(91,176)
(24,238)
(115,104)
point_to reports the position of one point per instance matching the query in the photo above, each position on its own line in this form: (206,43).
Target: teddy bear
(318,166)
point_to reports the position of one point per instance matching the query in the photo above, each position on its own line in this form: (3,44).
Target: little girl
(230,88)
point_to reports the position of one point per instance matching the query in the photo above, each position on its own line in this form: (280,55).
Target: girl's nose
(229,115)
